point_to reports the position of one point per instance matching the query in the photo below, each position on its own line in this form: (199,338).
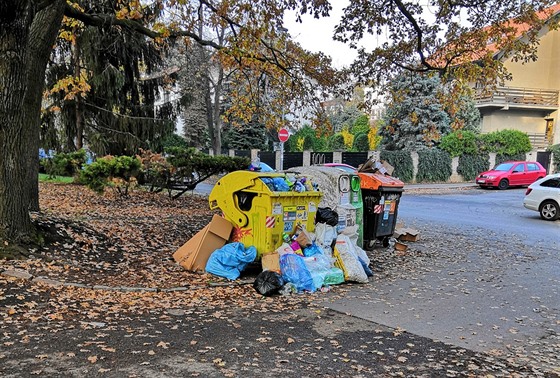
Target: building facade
(529,102)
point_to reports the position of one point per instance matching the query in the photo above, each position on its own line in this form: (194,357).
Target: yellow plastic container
(260,215)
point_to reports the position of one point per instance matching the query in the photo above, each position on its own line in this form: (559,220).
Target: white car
(544,196)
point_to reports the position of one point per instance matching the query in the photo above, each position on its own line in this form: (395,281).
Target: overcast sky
(316,35)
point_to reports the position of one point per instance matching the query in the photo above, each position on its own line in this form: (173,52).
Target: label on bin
(288,226)
(344,198)
(312,207)
(290,213)
(277,209)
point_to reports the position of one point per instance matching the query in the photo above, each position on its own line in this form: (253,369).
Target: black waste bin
(381,195)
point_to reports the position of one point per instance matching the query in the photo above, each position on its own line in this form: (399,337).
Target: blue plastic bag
(230,260)
(312,250)
(368,271)
(294,270)
(280,184)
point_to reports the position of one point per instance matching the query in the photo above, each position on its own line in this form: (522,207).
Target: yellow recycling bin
(262,209)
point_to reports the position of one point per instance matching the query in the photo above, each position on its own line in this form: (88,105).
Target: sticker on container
(277,209)
(344,198)
(301,215)
(355,197)
(312,207)
(393,207)
(378,209)
(290,213)
(270,222)
(288,226)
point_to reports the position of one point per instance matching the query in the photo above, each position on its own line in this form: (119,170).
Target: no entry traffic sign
(283,135)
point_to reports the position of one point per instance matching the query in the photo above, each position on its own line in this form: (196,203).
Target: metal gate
(544,158)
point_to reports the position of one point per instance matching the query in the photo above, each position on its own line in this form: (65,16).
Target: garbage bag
(347,260)
(268,283)
(334,276)
(319,266)
(312,250)
(294,270)
(230,260)
(327,215)
(280,185)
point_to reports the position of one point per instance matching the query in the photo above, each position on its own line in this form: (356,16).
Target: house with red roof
(529,102)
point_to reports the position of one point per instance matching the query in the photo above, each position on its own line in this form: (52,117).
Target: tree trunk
(15,23)
(77,99)
(216,113)
(42,37)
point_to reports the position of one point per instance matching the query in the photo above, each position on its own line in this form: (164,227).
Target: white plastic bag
(347,260)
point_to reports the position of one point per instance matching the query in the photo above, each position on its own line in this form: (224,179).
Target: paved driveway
(484,276)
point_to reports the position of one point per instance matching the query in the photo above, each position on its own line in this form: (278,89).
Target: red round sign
(283,135)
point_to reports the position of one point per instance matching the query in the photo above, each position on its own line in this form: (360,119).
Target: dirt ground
(105,298)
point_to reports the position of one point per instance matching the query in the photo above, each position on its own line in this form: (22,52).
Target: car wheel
(549,210)
(504,184)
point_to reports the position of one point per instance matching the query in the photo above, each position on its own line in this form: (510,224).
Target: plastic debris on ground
(268,283)
(230,260)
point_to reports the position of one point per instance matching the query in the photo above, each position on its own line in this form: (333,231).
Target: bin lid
(377,180)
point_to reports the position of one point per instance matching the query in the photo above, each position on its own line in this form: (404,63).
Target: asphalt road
(484,276)
(499,212)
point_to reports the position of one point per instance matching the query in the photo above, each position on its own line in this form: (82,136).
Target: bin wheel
(369,245)
(385,242)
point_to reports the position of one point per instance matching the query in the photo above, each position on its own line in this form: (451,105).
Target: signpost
(283,136)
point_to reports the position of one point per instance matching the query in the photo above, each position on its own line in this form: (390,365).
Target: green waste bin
(341,192)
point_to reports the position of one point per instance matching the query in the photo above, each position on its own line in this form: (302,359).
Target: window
(552,183)
(519,168)
(532,167)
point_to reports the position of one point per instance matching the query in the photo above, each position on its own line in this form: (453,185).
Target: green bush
(433,166)
(402,162)
(555,149)
(500,158)
(361,142)
(65,164)
(336,142)
(471,165)
(507,142)
(459,143)
(119,172)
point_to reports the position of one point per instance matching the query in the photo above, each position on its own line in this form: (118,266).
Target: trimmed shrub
(555,149)
(433,166)
(401,161)
(459,143)
(507,142)
(500,158)
(64,164)
(336,142)
(361,142)
(471,165)
(119,172)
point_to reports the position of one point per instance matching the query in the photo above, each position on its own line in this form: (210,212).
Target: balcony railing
(538,140)
(519,97)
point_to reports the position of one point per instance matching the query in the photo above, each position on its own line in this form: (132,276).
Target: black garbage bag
(268,283)
(327,215)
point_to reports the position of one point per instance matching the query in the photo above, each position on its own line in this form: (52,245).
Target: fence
(307,158)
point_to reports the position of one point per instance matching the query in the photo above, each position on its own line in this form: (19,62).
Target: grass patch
(43,177)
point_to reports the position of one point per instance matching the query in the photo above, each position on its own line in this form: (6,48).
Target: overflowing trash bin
(264,208)
(381,195)
(341,192)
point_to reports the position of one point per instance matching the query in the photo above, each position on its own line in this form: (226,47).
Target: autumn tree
(458,40)
(28,30)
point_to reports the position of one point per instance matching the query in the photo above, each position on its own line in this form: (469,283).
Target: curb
(26,276)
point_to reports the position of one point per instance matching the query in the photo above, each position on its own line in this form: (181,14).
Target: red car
(511,173)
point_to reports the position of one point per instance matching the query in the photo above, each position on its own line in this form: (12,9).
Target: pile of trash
(305,261)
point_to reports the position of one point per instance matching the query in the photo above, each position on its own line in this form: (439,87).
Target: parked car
(544,196)
(342,166)
(511,173)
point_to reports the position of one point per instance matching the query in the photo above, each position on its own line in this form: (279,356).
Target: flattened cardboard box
(271,261)
(194,254)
